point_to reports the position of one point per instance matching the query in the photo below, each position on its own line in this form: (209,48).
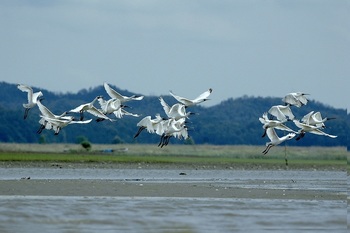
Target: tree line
(231,122)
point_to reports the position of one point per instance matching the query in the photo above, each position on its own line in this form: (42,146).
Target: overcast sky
(254,48)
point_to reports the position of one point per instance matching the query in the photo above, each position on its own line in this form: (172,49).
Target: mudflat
(139,188)
(169,181)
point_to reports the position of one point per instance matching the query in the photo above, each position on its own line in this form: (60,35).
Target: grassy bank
(190,155)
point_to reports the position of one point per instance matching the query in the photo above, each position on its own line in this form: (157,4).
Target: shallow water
(174,214)
(152,214)
(274,179)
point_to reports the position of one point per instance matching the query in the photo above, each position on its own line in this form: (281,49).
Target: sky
(236,47)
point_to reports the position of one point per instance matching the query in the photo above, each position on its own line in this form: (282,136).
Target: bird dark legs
(301,135)
(100,119)
(57,130)
(26,111)
(40,129)
(81,115)
(43,125)
(164,140)
(139,131)
(167,139)
(161,143)
(268,147)
(285,155)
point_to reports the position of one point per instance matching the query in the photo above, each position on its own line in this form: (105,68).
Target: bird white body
(115,95)
(267,123)
(172,128)
(176,111)
(57,124)
(176,128)
(50,121)
(275,140)
(306,128)
(295,98)
(281,112)
(109,106)
(114,106)
(315,118)
(90,108)
(31,96)
(47,113)
(151,125)
(188,102)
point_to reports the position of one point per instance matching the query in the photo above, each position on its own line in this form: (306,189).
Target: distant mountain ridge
(231,122)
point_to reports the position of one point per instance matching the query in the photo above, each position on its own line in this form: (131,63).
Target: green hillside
(232,122)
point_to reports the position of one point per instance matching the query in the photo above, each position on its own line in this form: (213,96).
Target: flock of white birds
(280,114)
(174,125)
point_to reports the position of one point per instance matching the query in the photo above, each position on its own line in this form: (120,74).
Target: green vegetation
(86,145)
(190,155)
(231,122)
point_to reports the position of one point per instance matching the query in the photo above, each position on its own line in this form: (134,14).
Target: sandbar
(141,188)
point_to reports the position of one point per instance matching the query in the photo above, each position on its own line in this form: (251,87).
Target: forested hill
(232,122)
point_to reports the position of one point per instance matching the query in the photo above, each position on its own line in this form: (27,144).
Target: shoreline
(120,156)
(165,165)
(177,188)
(142,188)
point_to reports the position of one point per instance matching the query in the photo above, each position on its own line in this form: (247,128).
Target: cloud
(261,48)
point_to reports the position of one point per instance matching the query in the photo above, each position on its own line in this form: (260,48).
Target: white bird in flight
(295,98)
(281,112)
(176,111)
(115,95)
(32,98)
(267,123)
(315,118)
(114,106)
(173,128)
(49,120)
(151,125)
(275,140)
(90,108)
(57,124)
(122,112)
(304,128)
(109,106)
(188,102)
(46,113)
